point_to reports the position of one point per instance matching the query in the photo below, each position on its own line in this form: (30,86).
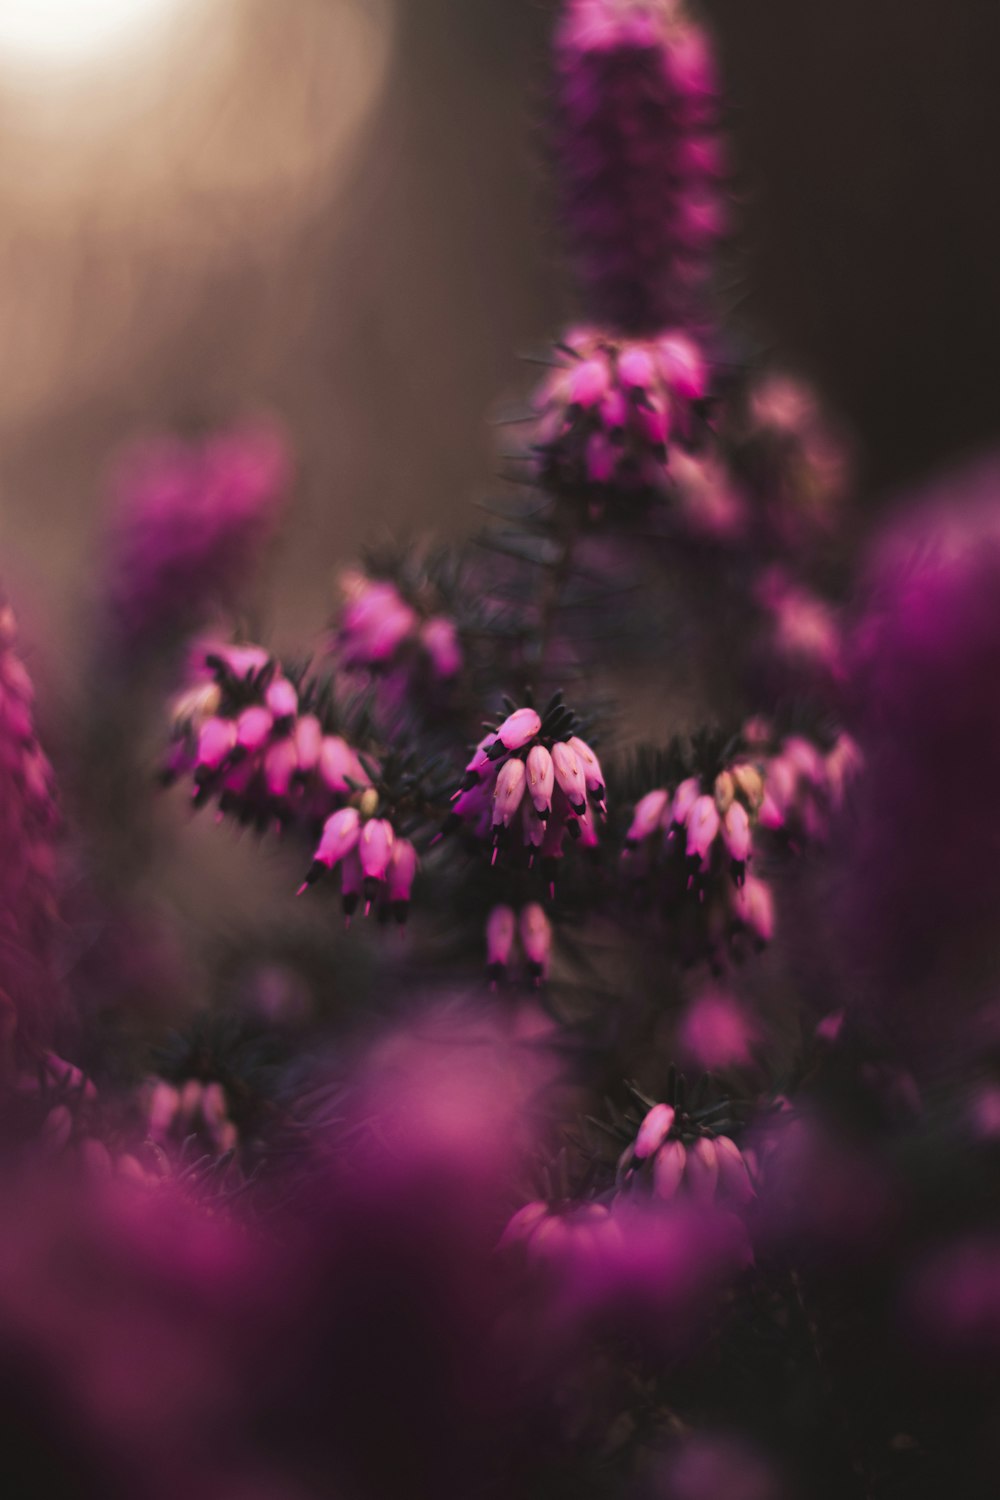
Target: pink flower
(637,105)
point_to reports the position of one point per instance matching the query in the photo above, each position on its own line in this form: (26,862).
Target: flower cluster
(374,859)
(194,1109)
(677,1152)
(531,782)
(805,786)
(378,628)
(794,462)
(640,158)
(615,415)
(255,742)
(188,519)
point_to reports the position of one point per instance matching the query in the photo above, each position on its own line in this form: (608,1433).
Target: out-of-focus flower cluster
(639,156)
(188,519)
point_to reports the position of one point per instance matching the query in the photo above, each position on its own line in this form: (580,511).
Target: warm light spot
(37,34)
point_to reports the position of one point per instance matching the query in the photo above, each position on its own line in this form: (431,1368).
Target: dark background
(220,236)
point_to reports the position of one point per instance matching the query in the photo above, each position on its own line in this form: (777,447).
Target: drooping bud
(375,848)
(541,779)
(736,834)
(592,773)
(668,1169)
(702,827)
(341,832)
(501,930)
(282,699)
(648,816)
(216,742)
(508,792)
(569,776)
(734,1179)
(702,1172)
(536,939)
(400,876)
(253,728)
(685,798)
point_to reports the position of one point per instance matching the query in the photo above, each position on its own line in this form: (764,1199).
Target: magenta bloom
(613,419)
(639,158)
(189,519)
(526,787)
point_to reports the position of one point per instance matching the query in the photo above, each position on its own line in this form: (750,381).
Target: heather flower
(198,1109)
(553,1236)
(530,783)
(381,631)
(189,519)
(796,465)
(805,786)
(614,417)
(639,158)
(715,1032)
(674,1153)
(250,740)
(801,632)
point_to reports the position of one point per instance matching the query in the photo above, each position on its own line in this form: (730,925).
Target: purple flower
(615,438)
(639,158)
(189,518)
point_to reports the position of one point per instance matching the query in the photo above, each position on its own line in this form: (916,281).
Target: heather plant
(642,1141)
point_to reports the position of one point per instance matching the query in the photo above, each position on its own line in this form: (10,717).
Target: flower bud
(501,929)
(375,848)
(541,779)
(508,791)
(653,1131)
(536,939)
(400,876)
(516,731)
(282,699)
(734,1179)
(668,1169)
(569,776)
(648,815)
(701,1175)
(702,827)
